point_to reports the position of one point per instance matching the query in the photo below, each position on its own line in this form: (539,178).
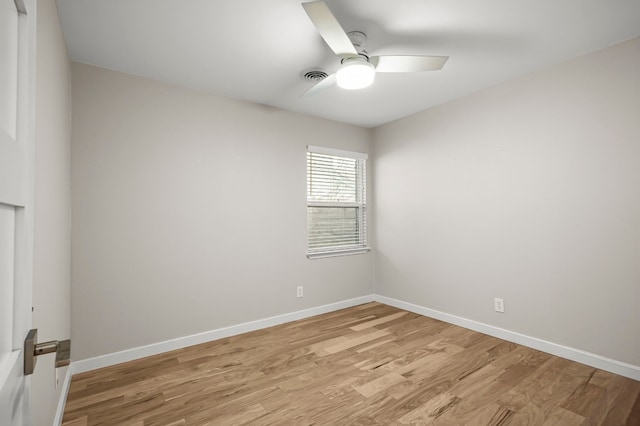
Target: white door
(17,85)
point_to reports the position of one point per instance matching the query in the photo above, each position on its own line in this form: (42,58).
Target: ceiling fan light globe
(355,74)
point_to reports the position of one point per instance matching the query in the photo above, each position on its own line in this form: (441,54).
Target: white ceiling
(256,50)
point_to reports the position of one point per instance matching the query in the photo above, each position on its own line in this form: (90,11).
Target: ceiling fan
(358,69)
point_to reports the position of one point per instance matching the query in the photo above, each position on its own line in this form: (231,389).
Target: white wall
(189,213)
(528,191)
(189,209)
(52,205)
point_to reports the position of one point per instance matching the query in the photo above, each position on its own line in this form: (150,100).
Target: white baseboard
(195,339)
(597,361)
(64,392)
(593,360)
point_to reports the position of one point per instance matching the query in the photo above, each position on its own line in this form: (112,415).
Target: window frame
(361,204)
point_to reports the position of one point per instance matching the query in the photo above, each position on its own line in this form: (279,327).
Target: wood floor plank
(620,407)
(429,411)
(561,417)
(80,421)
(634,415)
(367,365)
(378,321)
(357,340)
(491,415)
(379,384)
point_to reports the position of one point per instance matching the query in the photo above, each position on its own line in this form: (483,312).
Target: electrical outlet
(498,304)
(299,291)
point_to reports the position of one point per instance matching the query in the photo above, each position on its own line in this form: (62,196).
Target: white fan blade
(408,63)
(322,85)
(330,29)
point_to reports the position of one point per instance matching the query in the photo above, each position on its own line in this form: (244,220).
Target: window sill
(336,253)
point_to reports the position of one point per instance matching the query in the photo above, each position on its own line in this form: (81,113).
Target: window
(336,202)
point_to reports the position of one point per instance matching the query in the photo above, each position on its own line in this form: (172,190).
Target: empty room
(289,212)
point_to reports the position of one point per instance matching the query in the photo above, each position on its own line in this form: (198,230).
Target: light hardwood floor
(367,365)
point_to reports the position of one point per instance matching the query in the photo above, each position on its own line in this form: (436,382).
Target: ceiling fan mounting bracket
(358,38)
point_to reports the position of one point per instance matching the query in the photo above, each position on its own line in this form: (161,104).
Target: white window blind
(336,202)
